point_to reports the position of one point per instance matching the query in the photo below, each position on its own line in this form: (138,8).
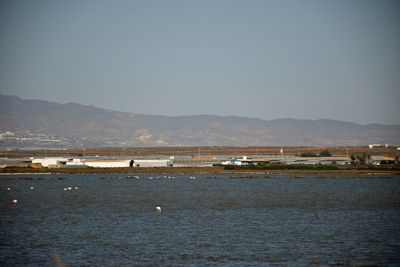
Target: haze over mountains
(76,125)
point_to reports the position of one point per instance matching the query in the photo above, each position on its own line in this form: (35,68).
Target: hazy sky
(336,59)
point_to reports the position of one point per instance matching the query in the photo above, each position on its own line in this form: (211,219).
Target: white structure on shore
(100,163)
(235,161)
(106,163)
(152,163)
(50,162)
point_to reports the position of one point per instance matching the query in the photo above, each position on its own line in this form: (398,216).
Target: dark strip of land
(191,170)
(302,177)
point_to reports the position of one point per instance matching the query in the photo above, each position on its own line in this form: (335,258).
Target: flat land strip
(186,170)
(202,151)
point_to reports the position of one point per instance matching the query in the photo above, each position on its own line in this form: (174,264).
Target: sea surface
(281,220)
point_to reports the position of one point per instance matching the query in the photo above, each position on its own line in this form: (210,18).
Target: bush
(360,159)
(308,154)
(325,153)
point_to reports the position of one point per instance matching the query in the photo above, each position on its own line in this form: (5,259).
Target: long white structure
(102,163)
(106,163)
(46,162)
(152,163)
(235,161)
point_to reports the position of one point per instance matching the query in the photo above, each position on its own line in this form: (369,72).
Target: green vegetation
(360,159)
(324,153)
(276,166)
(280,166)
(308,154)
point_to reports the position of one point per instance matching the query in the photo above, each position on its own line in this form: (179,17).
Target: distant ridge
(79,125)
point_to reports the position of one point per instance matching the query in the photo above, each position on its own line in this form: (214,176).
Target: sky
(322,59)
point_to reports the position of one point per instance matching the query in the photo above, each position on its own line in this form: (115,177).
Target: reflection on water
(251,222)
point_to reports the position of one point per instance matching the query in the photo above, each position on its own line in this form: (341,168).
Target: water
(204,222)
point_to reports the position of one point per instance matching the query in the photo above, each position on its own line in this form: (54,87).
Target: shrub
(308,154)
(325,153)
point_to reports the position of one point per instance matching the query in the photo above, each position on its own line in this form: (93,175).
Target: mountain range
(92,126)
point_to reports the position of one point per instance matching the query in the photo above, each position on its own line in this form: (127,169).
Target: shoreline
(182,170)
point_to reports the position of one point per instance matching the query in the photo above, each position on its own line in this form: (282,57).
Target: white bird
(9,188)
(158,208)
(76,188)
(32,188)
(14,201)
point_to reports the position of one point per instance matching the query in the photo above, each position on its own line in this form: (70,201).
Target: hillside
(79,125)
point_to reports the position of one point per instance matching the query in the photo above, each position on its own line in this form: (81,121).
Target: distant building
(98,163)
(151,163)
(49,162)
(239,162)
(106,163)
(374,145)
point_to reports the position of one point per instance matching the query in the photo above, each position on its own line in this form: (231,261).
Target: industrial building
(49,162)
(240,162)
(152,163)
(99,163)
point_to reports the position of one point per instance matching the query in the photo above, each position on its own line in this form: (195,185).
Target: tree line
(324,153)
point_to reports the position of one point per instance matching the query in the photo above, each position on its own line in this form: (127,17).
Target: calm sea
(278,221)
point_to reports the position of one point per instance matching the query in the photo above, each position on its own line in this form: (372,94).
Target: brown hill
(92,125)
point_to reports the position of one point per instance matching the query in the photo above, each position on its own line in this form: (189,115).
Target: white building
(46,162)
(235,161)
(98,163)
(106,163)
(152,163)
(374,145)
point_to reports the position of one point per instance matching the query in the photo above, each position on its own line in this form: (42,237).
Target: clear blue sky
(337,59)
